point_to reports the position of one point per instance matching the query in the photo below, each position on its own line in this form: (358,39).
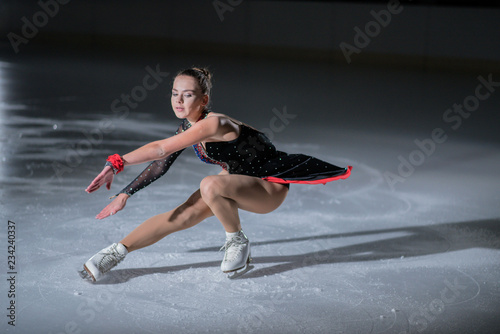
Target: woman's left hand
(105,177)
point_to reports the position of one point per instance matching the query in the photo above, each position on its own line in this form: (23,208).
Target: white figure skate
(236,256)
(103,261)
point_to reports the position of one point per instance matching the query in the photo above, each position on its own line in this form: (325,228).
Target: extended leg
(186,215)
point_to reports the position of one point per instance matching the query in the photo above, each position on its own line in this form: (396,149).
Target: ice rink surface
(408,244)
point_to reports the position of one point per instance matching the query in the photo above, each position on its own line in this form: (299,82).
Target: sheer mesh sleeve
(153,171)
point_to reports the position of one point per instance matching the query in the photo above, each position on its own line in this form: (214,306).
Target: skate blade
(83,274)
(86,274)
(239,272)
(232,274)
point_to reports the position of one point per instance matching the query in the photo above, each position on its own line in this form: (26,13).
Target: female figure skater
(254,177)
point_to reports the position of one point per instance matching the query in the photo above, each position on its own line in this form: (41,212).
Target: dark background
(263,54)
(424,34)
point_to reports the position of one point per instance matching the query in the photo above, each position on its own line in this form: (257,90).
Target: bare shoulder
(228,121)
(223,118)
(228,127)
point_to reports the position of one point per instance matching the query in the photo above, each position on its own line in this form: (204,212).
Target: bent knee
(210,187)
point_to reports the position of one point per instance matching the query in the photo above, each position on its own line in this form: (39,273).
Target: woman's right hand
(112,208)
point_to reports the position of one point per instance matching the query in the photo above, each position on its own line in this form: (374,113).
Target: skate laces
(233,247)
(110,258)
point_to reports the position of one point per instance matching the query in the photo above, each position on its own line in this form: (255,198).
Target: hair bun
(202,76)
(204,71)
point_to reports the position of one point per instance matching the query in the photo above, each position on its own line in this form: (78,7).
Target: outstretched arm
(157,150)
(209,128)
(151,173)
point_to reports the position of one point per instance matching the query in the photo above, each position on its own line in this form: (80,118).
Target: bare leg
(186,215)
(225,194)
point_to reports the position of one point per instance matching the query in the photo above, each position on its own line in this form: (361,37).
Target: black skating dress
(252,154)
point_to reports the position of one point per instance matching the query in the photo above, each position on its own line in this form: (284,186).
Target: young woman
(254,177)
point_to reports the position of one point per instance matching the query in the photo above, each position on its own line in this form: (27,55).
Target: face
(187,99)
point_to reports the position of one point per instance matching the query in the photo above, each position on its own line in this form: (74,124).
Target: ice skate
(103,261)
(237,254)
